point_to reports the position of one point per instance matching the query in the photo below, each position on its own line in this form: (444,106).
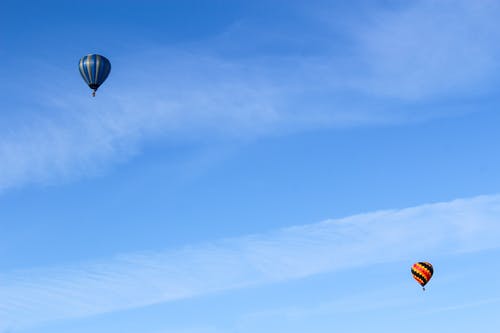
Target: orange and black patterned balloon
(422,272)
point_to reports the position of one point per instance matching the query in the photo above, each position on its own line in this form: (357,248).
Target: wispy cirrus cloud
(388,66)
(431,49)
(140,279)
(456,307)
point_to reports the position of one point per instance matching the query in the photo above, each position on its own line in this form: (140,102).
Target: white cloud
(135,280)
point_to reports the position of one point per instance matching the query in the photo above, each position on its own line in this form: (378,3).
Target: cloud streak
(135,280)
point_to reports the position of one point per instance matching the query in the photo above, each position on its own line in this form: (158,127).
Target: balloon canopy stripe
(418,279)
(422,271)
(427,266)
(87,67)
(97,67)
(83,71)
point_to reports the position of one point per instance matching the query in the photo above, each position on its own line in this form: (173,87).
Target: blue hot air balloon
(94,69)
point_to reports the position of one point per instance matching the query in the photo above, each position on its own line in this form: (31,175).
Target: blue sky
(249,167)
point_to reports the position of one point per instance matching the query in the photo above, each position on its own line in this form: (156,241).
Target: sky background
(263,166)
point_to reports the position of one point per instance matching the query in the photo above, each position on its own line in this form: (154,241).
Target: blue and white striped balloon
(94,69)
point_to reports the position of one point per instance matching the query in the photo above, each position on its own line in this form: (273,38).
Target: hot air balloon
(95,69)
(422,272)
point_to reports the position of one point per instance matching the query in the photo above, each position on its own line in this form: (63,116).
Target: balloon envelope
(94,69)
(422,272)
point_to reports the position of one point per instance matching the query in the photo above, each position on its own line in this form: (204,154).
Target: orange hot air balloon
(422,272)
